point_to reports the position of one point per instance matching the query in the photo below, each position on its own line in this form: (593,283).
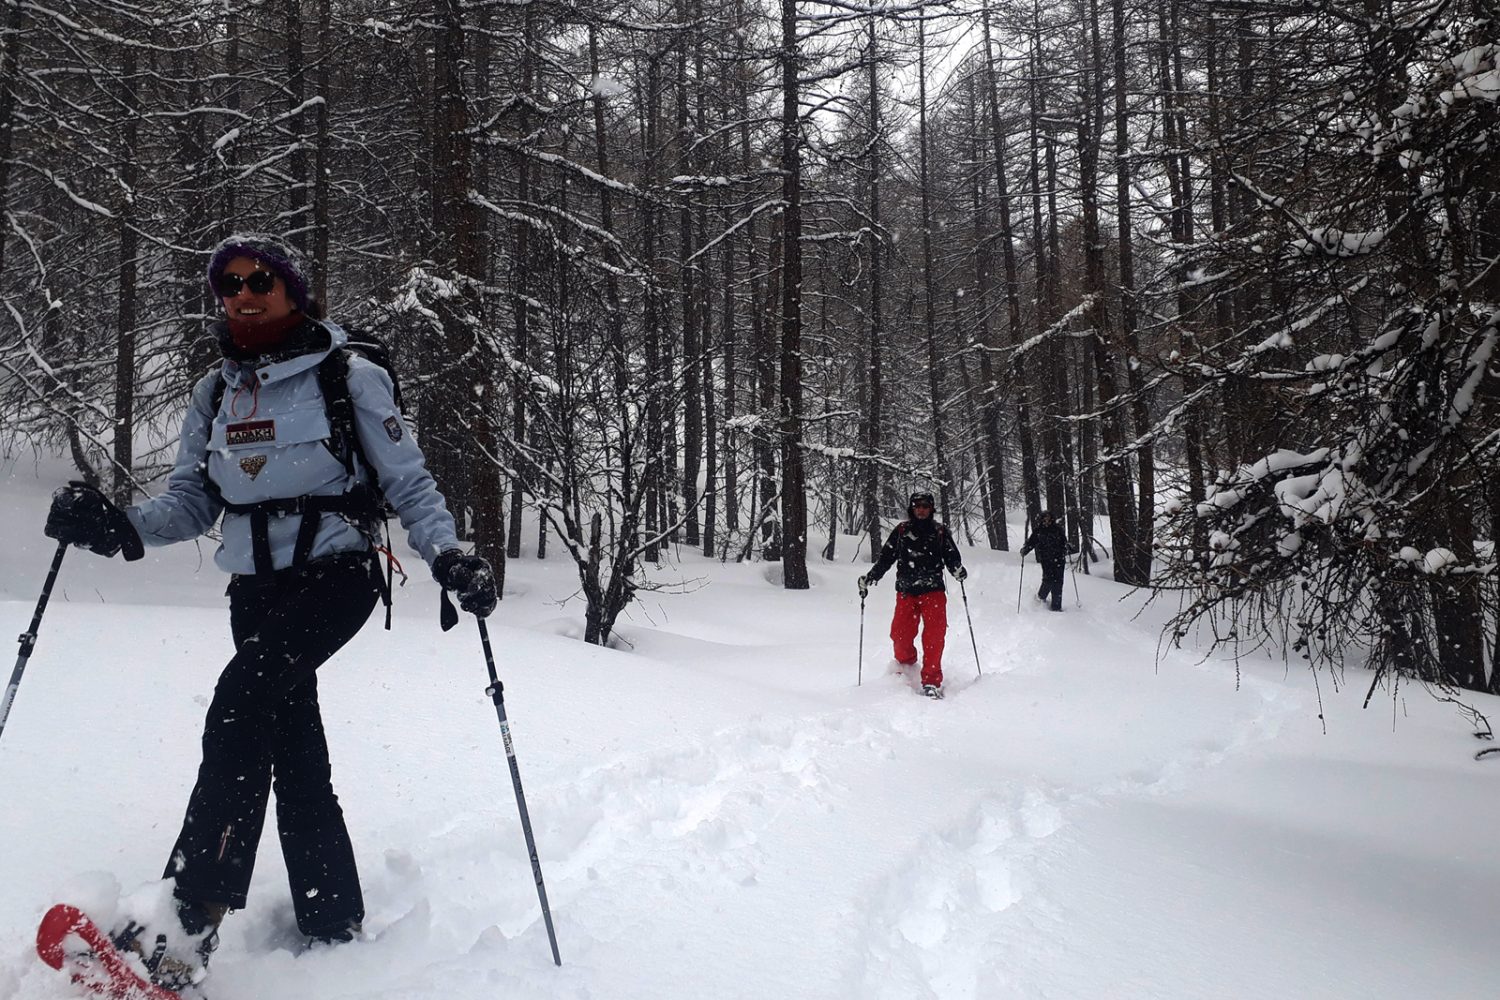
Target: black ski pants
(263,728)
(1052,583)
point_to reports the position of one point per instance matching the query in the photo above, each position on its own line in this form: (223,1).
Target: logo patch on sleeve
(250,432)
(393,428)
(251,466)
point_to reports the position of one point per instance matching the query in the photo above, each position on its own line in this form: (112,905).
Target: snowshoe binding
(70,942)
(173,969)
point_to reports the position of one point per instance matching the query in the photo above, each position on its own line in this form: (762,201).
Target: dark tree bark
(793,487)
(990,458)
(127,275)
(873,383)
(1122,520)
(10,79)
(296,94)
(1045,309)
(322,159)
(520,280)
(1138,560)
(1030,482)
(651,317)
(935,386)
(453,433)
(689,272)
(708,434)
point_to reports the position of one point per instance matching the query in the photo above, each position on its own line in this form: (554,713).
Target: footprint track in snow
(931,922)
(699,809)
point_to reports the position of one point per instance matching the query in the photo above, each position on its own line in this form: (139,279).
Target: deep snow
(721,812)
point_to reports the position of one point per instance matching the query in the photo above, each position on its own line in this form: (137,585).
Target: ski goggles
(229,285)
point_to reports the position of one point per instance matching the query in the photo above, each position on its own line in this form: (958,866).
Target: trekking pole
(496,691)
(28,638)
(964,591)
(861,681)
(1076,599)
(1020,584)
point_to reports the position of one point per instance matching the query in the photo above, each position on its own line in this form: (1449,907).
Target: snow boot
(933,690)
(343,934)
(176,968)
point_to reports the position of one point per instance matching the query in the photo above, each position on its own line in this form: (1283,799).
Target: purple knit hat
(272,252)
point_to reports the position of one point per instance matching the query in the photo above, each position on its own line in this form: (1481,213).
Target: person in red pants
(920,547)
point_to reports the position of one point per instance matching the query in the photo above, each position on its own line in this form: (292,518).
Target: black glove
(1024,550)
(468,576)
(960,574)
(83,516)
(864,586)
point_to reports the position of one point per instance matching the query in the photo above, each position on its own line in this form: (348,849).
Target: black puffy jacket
(920,548)
(1050,544)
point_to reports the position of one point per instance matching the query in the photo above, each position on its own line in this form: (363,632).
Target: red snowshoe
(70,942)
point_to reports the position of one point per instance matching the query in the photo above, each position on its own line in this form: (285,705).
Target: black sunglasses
(259,282)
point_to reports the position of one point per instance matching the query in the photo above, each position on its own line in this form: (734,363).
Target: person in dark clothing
(257,447)
(920,547)
(1052,550)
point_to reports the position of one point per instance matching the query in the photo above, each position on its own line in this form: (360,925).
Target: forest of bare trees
(1217,281)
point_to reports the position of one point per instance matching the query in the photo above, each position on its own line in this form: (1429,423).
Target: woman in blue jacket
(298,540)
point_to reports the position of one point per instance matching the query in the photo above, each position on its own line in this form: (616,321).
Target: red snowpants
(931,611)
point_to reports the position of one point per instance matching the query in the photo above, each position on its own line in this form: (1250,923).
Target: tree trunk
(619,360)
(929,282)
(521,293)
(692,342)
(1050,486)
(1122,521)
(875,397)
(296,93)
(793,489)
(768,515)
(127,273)
(1180,187)
(322,160)
(990,451)
(651,317)
(10,80)
(1139,562)
(1030,482)
(469,486)
(729,335)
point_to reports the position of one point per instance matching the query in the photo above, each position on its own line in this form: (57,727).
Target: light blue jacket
(266,441)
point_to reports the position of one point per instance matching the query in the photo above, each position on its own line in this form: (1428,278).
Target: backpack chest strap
(357,504)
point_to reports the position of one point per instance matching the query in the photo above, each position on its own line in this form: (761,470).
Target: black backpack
(333,382)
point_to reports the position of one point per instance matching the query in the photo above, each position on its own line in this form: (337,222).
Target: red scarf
(258,338)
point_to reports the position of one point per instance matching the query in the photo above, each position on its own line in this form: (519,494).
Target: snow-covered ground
(721,812)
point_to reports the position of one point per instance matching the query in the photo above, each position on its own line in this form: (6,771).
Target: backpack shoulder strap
(333,382)
(216,394)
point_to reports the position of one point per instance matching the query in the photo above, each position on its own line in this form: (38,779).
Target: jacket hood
(911,507)
(306,347)
(313,335)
